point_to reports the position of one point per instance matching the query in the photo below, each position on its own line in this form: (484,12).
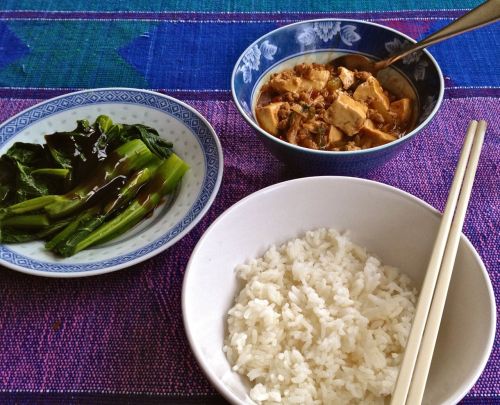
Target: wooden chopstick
(427,345)
(406,373)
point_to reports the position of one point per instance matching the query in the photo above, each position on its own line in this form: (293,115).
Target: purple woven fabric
(123,333)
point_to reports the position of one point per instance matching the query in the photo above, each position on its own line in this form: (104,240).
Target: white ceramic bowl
(394,225)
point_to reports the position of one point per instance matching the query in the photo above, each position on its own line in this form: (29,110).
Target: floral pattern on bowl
(326,30)
(251,59)
(335,36)
(321,41)
(416,58)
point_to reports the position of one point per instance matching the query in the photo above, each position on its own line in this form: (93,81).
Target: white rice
(320,321)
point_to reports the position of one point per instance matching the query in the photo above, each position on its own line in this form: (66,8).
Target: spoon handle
(484,14)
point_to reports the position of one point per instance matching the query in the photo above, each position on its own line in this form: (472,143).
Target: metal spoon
(486,13)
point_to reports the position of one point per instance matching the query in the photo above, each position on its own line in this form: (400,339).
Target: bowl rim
(222,388)
(143,257)
(298,148)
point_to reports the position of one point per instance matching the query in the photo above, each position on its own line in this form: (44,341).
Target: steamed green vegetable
(20,177)
(163,182)
(65,242)
(122,161)
(85,186)
(66,159)
(17,235)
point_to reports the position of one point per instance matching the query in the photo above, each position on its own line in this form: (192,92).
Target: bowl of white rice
(304,293)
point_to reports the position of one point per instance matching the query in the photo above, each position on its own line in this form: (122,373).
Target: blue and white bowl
(321,41)
(194,140)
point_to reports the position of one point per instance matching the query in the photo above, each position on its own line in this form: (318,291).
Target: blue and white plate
(194,140)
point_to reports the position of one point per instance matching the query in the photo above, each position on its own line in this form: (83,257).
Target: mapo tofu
(321,107)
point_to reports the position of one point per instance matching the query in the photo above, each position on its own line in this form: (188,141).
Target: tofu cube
(371,92)
(268,117)
(378,137)
(284,83)
(315,79)
(346,76)
(334,134)
(346,114)
(369,124)
(318,75)
(402,109)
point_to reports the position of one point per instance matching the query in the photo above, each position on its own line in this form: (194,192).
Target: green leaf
(82,126)
(79,150)
(105,123)
(153,141)
(7,181)
(29,154)
(123,133)
(27,185)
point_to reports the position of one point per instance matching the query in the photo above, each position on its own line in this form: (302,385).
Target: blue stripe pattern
(190,55)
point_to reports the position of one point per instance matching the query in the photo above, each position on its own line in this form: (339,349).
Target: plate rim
(142,257)
(204,364)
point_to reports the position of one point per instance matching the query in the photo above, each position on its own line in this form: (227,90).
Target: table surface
(119,338)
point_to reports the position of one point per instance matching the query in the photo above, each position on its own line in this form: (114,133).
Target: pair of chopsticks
(416,363)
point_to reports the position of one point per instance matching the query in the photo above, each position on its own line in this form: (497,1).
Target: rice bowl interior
(399,228)
(320,321)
